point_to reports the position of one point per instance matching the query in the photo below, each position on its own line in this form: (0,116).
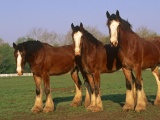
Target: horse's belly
(61,69)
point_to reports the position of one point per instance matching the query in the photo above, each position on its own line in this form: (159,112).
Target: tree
(145,32)
(7,61)
(96,33)
(43,36)
(68,38)
(23,39)
(107,40)
(1,41)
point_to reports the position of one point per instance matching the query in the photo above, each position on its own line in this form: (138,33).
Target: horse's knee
(38,91)
(76,79)
(47,91)
(96,90)
(128,85)
(138,86)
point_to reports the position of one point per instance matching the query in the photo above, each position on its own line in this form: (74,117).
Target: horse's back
(155,41)
(58,60)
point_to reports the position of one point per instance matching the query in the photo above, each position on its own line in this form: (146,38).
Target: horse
(44,61)
(136,54)
(96,58)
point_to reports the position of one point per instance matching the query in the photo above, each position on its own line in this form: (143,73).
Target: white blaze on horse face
(113,31)
(19,61)
(77,40)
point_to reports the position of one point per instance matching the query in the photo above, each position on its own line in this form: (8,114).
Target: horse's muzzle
(19,73)
(114,44)
(77,53)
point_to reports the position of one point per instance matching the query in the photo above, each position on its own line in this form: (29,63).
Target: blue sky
(18,17)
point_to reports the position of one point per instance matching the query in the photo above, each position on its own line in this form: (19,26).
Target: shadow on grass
(120,98)
(117,98)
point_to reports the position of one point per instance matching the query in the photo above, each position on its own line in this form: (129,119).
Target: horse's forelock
(20,47)
(111,18)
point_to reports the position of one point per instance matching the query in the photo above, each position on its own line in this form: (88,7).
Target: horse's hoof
(48,109)
(86,104)
(97,109)
(90,108)
(75,104)
(157,102)
(36,109)
(140,108)
(128,107)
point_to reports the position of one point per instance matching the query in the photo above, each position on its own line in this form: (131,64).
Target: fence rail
(13,75)
(30,74)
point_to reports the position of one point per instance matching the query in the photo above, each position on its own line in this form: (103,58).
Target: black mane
(125,25)
(30,46)
(88,37)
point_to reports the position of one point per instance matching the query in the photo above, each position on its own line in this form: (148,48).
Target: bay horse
(136,54)
(96,58)
(45,60)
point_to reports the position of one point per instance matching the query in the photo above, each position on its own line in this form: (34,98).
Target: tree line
(7,60)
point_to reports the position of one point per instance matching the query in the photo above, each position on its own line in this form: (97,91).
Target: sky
(18,17)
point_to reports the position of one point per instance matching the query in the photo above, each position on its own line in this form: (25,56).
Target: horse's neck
(30,57)
(126,39)
(88,46)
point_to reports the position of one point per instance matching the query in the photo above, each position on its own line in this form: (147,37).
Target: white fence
(13,75)
(28,74)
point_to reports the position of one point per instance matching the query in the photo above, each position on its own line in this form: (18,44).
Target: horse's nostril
(111,44)
(77,53)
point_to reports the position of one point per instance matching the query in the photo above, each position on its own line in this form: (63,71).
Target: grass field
(17,95)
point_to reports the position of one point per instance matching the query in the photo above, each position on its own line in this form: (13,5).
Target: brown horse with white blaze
(45,60)
(96,58)
(135,53)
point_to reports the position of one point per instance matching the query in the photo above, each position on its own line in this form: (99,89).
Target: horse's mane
(88,37)
(30,46)
(125,25)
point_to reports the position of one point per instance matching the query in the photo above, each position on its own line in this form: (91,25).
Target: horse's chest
(88,65)
(126,59)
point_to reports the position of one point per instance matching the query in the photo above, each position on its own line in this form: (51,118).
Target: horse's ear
(117,14)
(14,45)
(72,26)
(81,25)
(107,14)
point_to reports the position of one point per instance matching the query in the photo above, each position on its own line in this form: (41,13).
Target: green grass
(17,95)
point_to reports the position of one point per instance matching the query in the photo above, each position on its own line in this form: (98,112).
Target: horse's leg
(88,90)
(134,88)
(144,95)
(92,88)
(157,77)
(130,92)
(99,106)
(49,106)
(38,105)
(77,100)
(141,103)
(96,102)
(88,94)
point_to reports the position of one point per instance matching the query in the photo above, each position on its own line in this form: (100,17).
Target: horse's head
(19,55)
(113,25)
(77,33)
